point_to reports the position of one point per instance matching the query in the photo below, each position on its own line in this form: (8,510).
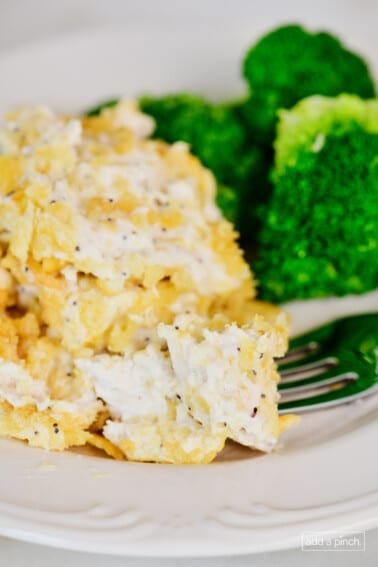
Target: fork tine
(310,346)
(352,342)
(309,385)
(319,367)
(316,379)
(299,352)
(334,398)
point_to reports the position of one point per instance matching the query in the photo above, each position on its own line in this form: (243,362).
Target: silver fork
(331,365)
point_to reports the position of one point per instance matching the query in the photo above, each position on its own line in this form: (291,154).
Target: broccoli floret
(254,193)
(228,200)
(216,136)
(212,131)
(289,64)
(305,126)
(320,236)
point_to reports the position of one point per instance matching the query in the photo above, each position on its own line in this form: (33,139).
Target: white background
(23,21)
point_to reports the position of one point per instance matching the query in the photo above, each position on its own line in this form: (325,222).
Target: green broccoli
(320,236)
(212,131)
(289,64)
(228,200)
(216,136)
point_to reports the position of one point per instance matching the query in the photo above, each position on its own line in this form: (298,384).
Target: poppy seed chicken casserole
(127,312)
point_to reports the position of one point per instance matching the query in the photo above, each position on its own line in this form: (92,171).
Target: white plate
(324,476)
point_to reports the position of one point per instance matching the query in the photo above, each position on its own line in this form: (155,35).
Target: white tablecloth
(22,21)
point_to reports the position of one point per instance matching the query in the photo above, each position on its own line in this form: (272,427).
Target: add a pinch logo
(333,541)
